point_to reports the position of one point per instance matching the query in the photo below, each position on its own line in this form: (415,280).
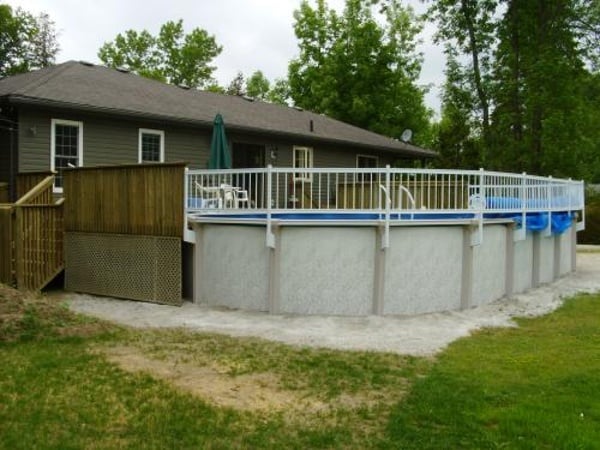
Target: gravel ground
(420,335)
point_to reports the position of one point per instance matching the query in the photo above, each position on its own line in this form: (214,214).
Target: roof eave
(126,113)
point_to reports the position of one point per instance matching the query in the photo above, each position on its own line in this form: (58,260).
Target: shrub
(591,234)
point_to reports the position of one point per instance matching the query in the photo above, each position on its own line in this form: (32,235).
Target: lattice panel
(127,266)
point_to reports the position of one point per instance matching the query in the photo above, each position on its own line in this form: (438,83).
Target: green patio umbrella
(220,158)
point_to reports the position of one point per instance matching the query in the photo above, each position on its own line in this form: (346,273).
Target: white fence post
(388,206)
(188,235)
(521,233)
(548,230)
(581,203)
(270,240)
(477,238)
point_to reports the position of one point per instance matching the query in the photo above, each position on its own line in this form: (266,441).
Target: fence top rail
(126,166)
(384,170)
(39,189)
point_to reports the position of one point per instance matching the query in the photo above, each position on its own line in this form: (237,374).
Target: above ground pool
(375,241)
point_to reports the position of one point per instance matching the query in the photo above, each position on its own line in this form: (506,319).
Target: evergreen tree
(539,98)
(236,86)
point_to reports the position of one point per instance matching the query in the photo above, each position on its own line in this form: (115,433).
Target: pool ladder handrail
(388,206)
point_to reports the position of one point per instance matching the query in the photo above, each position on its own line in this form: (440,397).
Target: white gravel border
(420,335)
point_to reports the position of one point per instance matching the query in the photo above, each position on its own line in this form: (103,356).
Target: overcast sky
(255,34)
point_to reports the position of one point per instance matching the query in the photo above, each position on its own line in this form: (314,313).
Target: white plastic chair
(233,196)
(209,195)
(241,196)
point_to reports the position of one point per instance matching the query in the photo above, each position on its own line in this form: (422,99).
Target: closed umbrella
(220,158)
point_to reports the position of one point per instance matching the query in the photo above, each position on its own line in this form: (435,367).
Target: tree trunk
(467,11)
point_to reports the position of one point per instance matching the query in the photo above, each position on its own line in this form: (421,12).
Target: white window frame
(376,158)
(74,123)
(305,177)
(160,133)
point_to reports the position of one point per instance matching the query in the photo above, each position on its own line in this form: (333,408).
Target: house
(80,114)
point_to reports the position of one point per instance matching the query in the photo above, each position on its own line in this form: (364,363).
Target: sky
(254,34)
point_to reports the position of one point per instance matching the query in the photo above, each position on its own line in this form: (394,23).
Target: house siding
(34,142)
(110,141)
(106,141)
(346,157)
(323,155)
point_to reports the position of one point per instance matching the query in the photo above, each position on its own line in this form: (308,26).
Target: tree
(540,108)
(360,67)
(456,141)
(258,86)
(26,42)
(316,30)
(586,26)
(279,92)
(468,29)
(520,78)
(236,86)
(44,43)
(172,56)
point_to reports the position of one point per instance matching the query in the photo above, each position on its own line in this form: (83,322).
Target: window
(366,161)
(303,159)
(66,148)
(151,146)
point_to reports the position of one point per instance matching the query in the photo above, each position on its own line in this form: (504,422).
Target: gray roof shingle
(98,88)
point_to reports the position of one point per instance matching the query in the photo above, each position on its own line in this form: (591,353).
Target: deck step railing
(31,236)
(409,190)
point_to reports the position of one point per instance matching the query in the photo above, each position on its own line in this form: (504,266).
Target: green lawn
(73,382)
(536,386)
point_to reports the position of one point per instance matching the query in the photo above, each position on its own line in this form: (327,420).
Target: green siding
(346,157)
(323,155)
(106,141)
(34,141)
(189,145)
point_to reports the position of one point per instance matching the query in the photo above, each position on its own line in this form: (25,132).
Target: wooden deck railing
(6,244)
(31,238)
(26,181)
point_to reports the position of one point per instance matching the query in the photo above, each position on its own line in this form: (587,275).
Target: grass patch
(72,382)
(27,317)
(535,386)
(57,391)
(326,373)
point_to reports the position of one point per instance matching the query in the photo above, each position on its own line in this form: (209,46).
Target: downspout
(12,126)
(12,161)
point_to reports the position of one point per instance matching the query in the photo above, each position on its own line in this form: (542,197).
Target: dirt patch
(249,392)
(257,392)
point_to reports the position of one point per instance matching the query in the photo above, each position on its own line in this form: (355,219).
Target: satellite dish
(406,135)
